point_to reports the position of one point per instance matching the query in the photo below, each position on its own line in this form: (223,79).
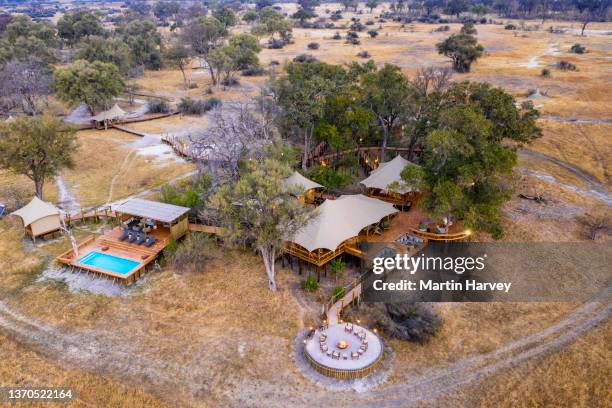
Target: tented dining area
(337,227)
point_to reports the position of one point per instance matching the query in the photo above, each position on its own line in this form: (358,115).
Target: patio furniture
(336,355)
(354,355)
(344,356)
(131,237)
(141,238)
(360,351)
(329,353)
(348,327)
(2,209)
(150,241)
(124,235)
(324,348)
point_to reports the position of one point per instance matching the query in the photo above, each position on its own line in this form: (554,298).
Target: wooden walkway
(369,154)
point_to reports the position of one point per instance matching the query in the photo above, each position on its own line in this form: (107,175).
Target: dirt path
(599,190)
(111,355)
(124,166)
(65,200)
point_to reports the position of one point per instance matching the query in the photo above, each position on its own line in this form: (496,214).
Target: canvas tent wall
(304,186)
(39,217)
(386,182)
(336,222)
(108,116)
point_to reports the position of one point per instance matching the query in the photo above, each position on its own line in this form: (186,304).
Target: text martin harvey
(468,285)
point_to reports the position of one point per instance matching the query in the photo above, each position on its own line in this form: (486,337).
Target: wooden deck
(122,249)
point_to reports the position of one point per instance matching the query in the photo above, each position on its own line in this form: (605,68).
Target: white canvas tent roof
(151,209)
(296,179)
(113,113)
(388,173)
(341,219)
(35,210)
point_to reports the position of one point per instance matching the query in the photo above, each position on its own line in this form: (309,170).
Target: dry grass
(23,367)
(577,376)
(103,157)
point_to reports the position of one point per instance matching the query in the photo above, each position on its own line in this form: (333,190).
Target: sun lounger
(132,237)
(150,241)
(141,239)
(124,235)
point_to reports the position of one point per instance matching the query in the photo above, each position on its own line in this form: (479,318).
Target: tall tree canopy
(301,94)
(37,147)
(257,209)
(113,50)
(93,83)
(144,41)
(25,40)
(75,25)
(204,35)
(386,92)
(467,161)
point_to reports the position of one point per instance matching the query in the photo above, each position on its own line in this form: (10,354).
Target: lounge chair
(150,241)
(124,235)
(2,209)
(132,237)
(141,239)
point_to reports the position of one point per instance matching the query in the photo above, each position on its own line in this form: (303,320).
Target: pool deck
(109,244)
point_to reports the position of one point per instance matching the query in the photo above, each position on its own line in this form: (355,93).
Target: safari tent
(335,224)
(305,187)
(385,182)
(39,217)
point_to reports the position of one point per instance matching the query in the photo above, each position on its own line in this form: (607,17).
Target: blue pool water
(111,263)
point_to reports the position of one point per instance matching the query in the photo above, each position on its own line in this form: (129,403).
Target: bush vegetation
(158,106)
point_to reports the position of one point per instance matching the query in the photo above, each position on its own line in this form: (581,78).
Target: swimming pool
(121,266)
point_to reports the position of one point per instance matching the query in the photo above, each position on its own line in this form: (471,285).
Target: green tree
(165,9)
(337,268)
(204,35)
(75,25)
(23,26)
(145,43)
(25,40)
(467,162)
(179,56)
(371,4)
(302,15)
(301,95)
(272,22)
(226,16)
(112,50)
(462,48)
(258,209)
(250,16)
(93,83)
(386,92)
(37,147)
(456,7)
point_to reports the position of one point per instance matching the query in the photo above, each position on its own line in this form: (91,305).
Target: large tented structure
(39,217)
(341,219)
(113,113)
(389,174)
(296,180)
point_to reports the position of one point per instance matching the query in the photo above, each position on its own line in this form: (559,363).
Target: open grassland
(109,165)
(213,337)
(576,376)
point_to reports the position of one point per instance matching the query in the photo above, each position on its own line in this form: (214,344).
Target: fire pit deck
(344,352)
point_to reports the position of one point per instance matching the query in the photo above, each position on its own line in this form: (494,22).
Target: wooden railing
(440,237)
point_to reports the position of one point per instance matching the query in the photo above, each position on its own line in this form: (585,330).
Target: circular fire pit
(344,354)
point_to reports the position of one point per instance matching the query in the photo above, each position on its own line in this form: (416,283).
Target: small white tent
(341,219)
(39,217)
(296,180)
(389,173)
